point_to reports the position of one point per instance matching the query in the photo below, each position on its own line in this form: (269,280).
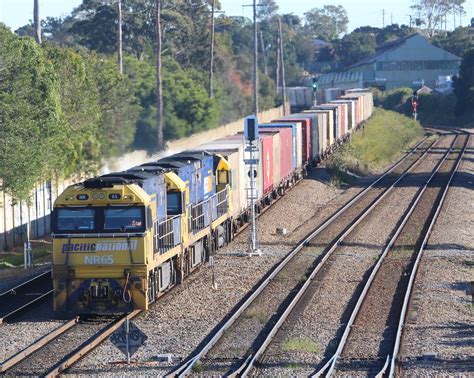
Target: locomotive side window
(173,201)
(75,219)
(124,219)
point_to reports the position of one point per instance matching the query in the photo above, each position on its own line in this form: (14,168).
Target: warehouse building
(407,62)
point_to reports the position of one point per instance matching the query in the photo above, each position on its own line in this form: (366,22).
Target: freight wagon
(123,239)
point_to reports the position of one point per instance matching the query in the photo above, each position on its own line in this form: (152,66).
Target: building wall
(414,60)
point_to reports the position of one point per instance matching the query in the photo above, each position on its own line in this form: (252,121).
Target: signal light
(315,84)
(251,128)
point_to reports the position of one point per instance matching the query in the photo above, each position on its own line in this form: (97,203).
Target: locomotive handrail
(100,235)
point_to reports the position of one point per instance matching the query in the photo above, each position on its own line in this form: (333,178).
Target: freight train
(123,239)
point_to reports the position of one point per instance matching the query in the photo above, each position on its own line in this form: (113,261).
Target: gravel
(374,329)
(26,329)
(441,312)
(319,321)
(183,317)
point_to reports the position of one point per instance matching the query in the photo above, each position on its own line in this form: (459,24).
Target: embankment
(380,141)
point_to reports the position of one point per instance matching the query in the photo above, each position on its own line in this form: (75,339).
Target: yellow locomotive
(122,239)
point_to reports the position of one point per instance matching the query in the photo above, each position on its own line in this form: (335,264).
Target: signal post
(252,138)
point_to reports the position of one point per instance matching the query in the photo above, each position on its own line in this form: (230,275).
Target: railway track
(228,351)
(23,297)
(306,338)
(370,342)
(55,352)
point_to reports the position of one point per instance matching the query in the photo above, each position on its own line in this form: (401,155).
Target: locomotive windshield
(75,219)
(124,219)
(97,219)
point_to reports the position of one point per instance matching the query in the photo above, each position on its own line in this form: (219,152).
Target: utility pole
(119,36)
(264,55)
(383,18)
(36,20)
(391,18)
(159,87)
(255,61)
(211,60)
(277,71)
(410,21)
(282,62)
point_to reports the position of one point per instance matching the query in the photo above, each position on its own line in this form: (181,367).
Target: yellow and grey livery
(121,240)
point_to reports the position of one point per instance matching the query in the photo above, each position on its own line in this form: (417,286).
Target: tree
(95,26)
(458,42)
(267,9)
(328,22)
(32,124)
(464,85)
(119,107)
(432,13)
(79,96)
(354,47)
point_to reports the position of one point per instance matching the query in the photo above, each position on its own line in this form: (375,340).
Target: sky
(16,13)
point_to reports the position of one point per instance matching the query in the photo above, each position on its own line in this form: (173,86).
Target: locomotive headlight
(101,196)
(95,196)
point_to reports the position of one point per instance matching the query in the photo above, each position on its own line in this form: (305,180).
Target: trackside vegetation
(380,141)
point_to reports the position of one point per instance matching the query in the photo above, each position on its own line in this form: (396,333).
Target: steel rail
(40,343)
(19,286)
(186,367)
(92,343)
(409,290)
(244,371)
(20,309)
(371,278)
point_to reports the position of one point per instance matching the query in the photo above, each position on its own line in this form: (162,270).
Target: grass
(293,366)
(13,259)
(255,313)
(198,368)
(300,345)
(470,306)
(383,139)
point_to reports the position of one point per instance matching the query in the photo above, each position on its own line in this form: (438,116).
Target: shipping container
(323,122)
(351,116)
(305,131)
(276,170)
(344,118)
(286,153)
(335,119)
(297,142)
(332,94)
(258,167)
(328,129)
(266,157)
(315,148)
